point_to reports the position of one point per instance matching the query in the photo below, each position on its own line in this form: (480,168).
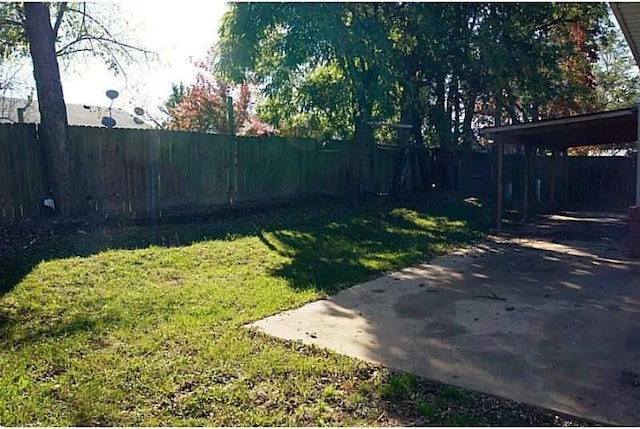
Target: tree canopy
(80,29)
(202,106)
(332,69)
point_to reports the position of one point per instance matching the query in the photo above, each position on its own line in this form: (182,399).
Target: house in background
(15,110)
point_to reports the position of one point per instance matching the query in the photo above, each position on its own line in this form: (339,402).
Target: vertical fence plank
(140,172)
(22,182)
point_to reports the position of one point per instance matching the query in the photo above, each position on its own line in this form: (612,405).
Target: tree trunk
(54,131)
(358,159)
(407,177)
(467,132)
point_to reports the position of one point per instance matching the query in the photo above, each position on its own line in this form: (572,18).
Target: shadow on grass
(332,255)
(329,244)
(327,240)
(76,326)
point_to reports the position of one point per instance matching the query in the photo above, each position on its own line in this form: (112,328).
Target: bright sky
(178,31)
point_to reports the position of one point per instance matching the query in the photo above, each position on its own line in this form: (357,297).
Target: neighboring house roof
(77,114)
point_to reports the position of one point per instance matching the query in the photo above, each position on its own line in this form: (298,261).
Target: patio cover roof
(602,128)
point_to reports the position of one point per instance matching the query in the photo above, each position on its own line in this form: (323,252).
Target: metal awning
(602,128)
(595,129)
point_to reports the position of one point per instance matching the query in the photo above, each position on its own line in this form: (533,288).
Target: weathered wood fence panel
(192,170)
(385,166)
(603,182)
(141,172)
(271,167)
(135,172)
(591,182)
(326,168)
(22,175)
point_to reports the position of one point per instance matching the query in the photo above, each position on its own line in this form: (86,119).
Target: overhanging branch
(59,15)
(105,41)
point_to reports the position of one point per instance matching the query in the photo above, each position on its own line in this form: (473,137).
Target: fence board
(22,183)
(141,172)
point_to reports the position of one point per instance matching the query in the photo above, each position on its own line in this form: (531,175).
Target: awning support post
(554,173)
(500,173)
(527,174)
(565,178)
(500,195)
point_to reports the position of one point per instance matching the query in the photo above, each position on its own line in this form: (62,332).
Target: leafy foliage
(11,31)
(618,81)
(202,106)
(318,108)
(441,67)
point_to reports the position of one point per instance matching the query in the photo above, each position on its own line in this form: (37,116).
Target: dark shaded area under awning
(602,128)
(595,129)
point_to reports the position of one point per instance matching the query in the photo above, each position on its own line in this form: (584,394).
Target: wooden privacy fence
(140,172)
(22,178)
(589,182)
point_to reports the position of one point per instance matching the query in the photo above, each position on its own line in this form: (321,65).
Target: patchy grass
(397,386)
(136,326)
(452,392)
(426,410)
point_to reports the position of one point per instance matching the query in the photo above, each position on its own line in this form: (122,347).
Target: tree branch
(60,14)
(86,15)
(561,20)
(104,40)
(5,21)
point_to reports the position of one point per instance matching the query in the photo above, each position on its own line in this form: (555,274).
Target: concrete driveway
(549,317)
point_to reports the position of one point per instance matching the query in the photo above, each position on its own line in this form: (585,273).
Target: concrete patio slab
(550,317)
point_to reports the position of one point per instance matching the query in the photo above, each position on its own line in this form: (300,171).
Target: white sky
(179,32)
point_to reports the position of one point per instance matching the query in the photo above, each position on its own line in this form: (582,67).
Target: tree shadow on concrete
(331,246)
(546,315)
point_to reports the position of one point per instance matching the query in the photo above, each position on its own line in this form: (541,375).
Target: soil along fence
(135,172)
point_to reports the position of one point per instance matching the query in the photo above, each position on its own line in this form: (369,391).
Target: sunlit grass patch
(144,325)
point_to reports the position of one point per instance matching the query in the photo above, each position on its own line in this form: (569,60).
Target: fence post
(500,170)
(155,179)
(233,192)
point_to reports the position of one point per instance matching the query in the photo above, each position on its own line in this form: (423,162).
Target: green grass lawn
(143,325)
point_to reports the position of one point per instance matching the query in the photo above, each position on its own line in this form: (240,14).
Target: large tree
(202,106)
(616,74)
(288,46)
(440,67)
(53,111)
(46,32)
